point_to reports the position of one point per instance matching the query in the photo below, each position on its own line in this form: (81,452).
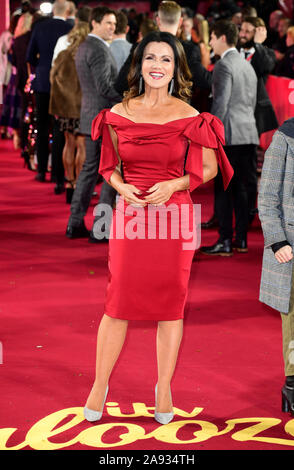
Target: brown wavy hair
(182,75)
(77,35)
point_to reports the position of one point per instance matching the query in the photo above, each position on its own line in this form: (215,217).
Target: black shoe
(211,223)
(77,232)
(288,399)
(59,188)
(221,247)
(40,177)
(92,239)
(240,246)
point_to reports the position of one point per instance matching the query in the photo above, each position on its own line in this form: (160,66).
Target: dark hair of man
(121,22)
(83,13)
(98,13)
(228,29)
(254,20)
(182,74)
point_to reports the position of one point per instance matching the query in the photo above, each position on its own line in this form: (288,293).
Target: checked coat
(276,213)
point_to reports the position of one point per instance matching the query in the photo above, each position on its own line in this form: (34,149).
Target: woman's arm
(162,192)
(127,191)
(210,166)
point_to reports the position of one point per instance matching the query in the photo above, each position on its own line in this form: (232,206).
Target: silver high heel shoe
(92,415)
(162,418)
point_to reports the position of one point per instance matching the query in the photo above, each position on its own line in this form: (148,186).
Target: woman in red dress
(155,148)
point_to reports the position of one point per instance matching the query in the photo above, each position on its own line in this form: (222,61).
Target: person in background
(82,14)
(71,13)
(236,16)
(248,10)
(251,47)
(18,57)
(121,84)
(12,104)
(234,99)
(120,47)
(39,55)
(96,69)
(148,278)
(65,104)
(187,27)
(285,66)
(276,208)
(272,32)
(134,27)
(280,46)
(200,35)
(5,65)
(147,26)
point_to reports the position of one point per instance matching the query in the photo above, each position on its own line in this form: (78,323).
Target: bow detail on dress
(206,130)
(97,125)
(108,156)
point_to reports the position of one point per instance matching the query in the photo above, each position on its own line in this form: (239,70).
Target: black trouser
(86,183)
(235,198)
(58,141)
(43,125)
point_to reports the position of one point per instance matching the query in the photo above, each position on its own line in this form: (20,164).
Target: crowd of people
(38,61)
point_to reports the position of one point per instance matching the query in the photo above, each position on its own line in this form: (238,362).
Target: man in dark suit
(39,55)
(97,72)
(234,99)
(252,35)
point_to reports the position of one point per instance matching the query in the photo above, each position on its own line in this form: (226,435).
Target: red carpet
(227,384)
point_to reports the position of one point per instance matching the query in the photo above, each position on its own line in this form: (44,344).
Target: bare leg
(110,340)
(169,336)
(81,154)
(68,156)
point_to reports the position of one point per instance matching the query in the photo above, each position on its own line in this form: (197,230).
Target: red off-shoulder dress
(151,248)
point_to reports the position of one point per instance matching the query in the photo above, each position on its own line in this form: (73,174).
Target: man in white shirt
(83,14)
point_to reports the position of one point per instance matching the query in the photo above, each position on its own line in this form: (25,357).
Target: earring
(171,88)
(140,85)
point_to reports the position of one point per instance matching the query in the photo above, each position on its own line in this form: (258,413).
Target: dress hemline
(124,317)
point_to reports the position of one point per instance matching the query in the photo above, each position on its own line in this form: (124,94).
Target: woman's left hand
(161,193)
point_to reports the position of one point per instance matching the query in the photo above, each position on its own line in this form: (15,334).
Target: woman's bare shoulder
(184,109)
(117,108)
(122,109)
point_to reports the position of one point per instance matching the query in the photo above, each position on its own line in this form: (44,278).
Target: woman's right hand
(284,254)
(128,193)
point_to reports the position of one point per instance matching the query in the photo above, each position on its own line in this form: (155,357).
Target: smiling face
(216,43)
(106,28)
(247,33)
(158,64)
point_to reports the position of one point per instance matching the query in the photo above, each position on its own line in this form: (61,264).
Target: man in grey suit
(97,72)
(276,213)
(234,90)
